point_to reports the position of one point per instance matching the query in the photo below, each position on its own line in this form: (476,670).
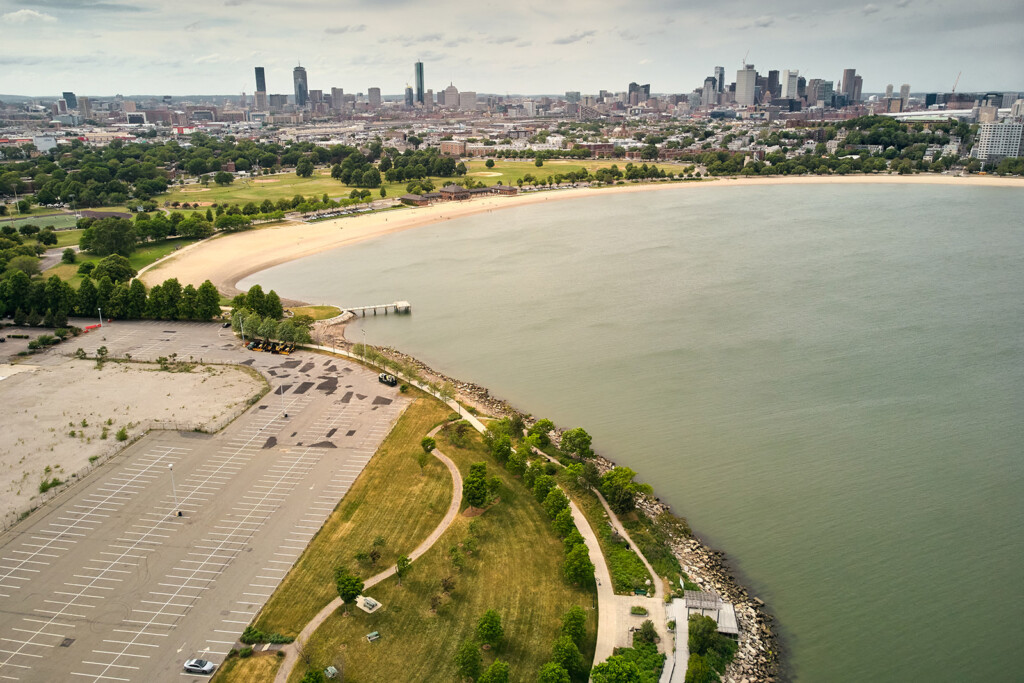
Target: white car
(199,666)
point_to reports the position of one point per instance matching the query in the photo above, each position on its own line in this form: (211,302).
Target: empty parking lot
(110,583)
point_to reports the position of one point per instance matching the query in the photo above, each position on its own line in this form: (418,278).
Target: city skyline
(111,46)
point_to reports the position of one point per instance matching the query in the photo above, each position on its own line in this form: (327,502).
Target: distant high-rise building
(999,140)
(634,94)
(720,77)
(428,99)
(847,86)
(572,96)
(858,83)
(905,95)
(85,106)
(409,97)
(260,101)
(451,97)
(261,80)
(419,82)
(773,84)
(70,98)
(277,102)
(301,86)
(746,83)
(467,100)
(337,98)
(888,91)
(789,84)
(709,95)
(373,94)
(801,87)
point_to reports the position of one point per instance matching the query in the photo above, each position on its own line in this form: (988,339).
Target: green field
(68,238)
(509,172)
(58,221)
(392,498)
(272,187)
(140,258)
(317,312)
(516,570)
(260,667)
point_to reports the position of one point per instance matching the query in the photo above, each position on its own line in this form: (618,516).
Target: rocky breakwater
(757,655)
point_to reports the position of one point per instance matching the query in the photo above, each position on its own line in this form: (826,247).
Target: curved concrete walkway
(291,653)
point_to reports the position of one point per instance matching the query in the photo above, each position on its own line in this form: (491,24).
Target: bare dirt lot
(59,416)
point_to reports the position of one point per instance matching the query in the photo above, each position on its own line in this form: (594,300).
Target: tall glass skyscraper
(419,82)
(261,80)
(301,86)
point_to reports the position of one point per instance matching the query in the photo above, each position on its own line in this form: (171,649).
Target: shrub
(122,434)
(245,652)
(47,484)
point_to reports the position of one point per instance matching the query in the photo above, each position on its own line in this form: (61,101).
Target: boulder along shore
(758,656)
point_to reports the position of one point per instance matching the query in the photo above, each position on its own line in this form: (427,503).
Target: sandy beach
(227,259)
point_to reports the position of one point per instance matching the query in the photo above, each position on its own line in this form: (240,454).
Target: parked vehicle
(199,666)
(385,378)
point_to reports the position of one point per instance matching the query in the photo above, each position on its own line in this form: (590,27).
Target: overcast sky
(103,47)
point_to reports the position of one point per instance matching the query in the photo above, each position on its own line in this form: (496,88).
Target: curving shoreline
(227,259)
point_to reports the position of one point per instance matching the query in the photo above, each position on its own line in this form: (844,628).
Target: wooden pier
(397,307)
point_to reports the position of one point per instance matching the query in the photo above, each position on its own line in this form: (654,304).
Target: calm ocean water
(828,382)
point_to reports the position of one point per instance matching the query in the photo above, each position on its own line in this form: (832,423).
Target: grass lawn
(510,171)
(68,238)
(255,668)
(391,498)
(59,221)
(272,187)
(516,570)
(317,312)
(141,257)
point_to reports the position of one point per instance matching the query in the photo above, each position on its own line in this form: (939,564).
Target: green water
(828,382)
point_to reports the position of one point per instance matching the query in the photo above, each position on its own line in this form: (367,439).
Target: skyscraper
(789,84)
(847,88)
(746,80)
(71,99)
(904,95)
(858,83)
(720,77)
(772,83)
(373,94)
(408,97)
(419,82)
(261,80)
(709,95)
(301,86)
(888,91)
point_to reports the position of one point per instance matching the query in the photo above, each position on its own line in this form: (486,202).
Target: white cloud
(24,16)
(764,22)
(870,9)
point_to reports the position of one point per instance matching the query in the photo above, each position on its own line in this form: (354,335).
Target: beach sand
(227,259)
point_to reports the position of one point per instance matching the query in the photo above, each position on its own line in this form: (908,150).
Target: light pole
(101,316)
(364,343)
(174,490)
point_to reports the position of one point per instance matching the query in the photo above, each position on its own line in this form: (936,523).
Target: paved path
(607,619)
(291,654)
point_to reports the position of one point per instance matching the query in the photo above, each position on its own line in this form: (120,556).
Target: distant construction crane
(956,82)
(745,58)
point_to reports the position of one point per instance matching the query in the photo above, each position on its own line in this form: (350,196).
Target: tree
(116,267)
(501,448)
(489,629)
(616,669)
(304,169)
(553,672)
(574,624)
(86,299)
(563,523)
(538,163)
(517,463)
(578,568)
(498,672)
(402,565)
(647,633)
(255,299)
(428,444)
(468,660)
(568,656)
(540,429)
(68,256)
(555,503)
(110,236)
(272,307)
(349,586)
(542,485)
(135,304)
(207,301)
(618,487)
(576,442)
(383,192)
(703,633)
(25,264)
(223,178)
(475,486)
(699,670)
(489,163)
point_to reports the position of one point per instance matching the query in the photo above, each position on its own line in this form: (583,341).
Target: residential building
(746,83)
(456,148)
(419,83)
(301,87)
(998,140)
